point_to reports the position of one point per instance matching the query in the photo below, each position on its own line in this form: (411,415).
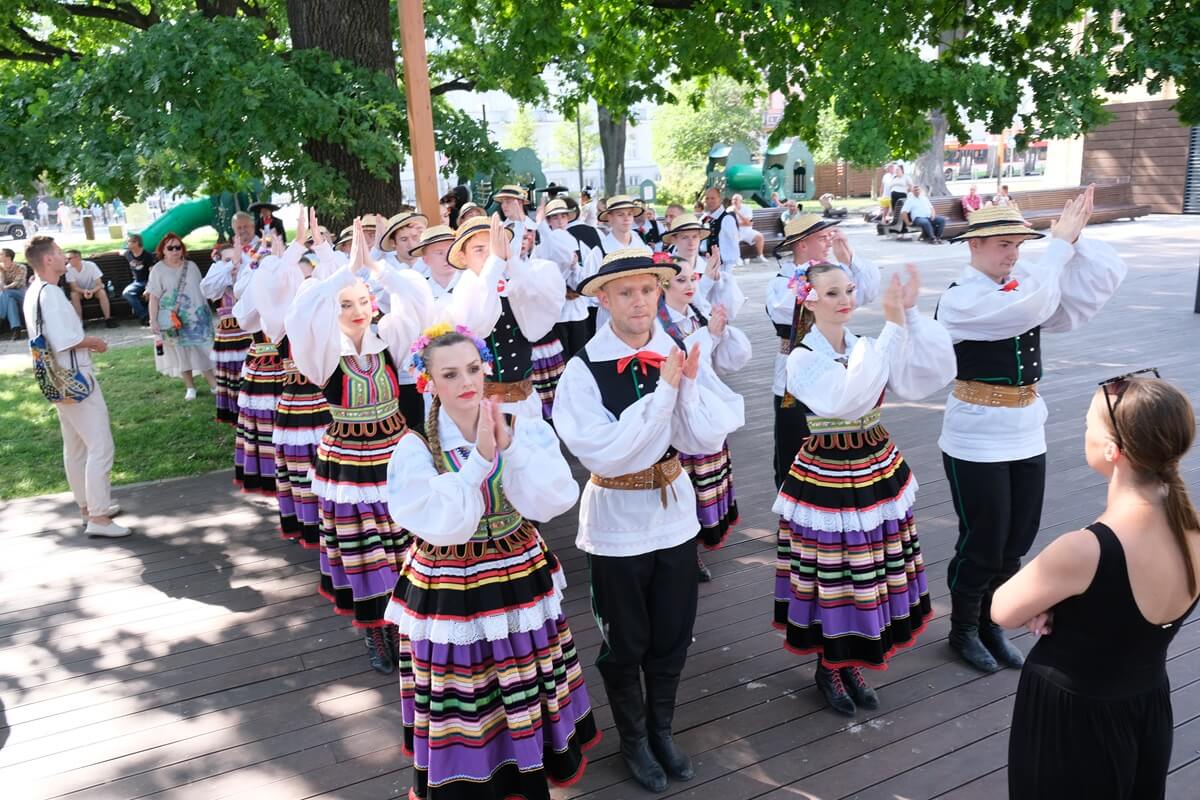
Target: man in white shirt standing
(627,404)
(85,280)
(724,230)
(620,212)
(745,221)
(918,211)
(993,438)
(86,433)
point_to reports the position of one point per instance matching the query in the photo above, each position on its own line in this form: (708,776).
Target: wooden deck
(195,660)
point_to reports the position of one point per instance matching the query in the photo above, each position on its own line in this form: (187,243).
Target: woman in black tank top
(1093,717)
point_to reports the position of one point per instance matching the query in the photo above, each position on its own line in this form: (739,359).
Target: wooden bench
(1042,206)
(115,268)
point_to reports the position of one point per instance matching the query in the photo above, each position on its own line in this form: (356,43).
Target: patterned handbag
(58,383)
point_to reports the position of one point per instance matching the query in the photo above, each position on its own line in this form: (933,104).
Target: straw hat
(401,220)
(684,223)
(347,235)
(620,201)
(469,206)
(324,233)
(438,233)
(467,231)
(559,206)
(625,263)
(511,190)
(802,226)
(992,221)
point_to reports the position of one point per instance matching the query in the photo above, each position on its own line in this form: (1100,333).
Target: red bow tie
(1011,285)
(648,359)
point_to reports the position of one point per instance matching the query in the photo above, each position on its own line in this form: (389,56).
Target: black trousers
(999,507)
(791,430)
(645,606)
(573,335)
(412,406)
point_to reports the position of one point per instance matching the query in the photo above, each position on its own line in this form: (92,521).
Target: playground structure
(215,211)
(786,168)
(523,167)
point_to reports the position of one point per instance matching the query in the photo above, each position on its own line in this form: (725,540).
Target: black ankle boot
(964,640)
(393,642)
(379,652)
(660,707)
(829,681)
(705,575)
(629,715)
(856,685)
(997,643)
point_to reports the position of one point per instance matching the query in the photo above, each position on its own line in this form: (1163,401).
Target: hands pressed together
(677,366)
(492,433)
(899,296)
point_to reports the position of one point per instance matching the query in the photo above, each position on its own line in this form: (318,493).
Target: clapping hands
(492,433)
(1075,215)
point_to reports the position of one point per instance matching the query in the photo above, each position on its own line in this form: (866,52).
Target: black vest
(1011,362)
(618,391)
(587,235)
(783,331)
(512,351)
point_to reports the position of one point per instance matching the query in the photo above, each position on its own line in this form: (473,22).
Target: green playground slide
(215,211)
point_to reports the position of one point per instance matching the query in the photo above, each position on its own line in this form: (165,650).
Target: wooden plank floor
(194,660)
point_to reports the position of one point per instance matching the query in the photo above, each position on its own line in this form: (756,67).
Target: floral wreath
(420,369)
(799,281)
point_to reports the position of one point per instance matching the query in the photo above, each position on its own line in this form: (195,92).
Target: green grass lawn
(157,435)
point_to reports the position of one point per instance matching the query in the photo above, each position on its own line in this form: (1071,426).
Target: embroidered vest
(512,351)
(1011,362)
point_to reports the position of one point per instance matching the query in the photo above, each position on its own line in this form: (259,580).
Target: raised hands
(841,246)
(541,212)
(499,239)
(1075,215)
(893,301)
(492,433)
(712,264)
(314,228)
(360,251)
(302,228)
(912,286)
(717,321)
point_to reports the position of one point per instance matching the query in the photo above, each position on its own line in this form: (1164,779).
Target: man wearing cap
(809,237)
(723,227)
(265,219)
(626,405)
(575,261)
(993,433)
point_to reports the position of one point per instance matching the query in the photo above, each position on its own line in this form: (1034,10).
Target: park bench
(1042,206)
(115,268)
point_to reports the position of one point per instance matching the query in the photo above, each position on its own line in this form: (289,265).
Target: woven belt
(375,413)
(659,476)
(262,349)
(477,548)
(497,525)
(508,391)
(818,425)
(228,324)
(995,395)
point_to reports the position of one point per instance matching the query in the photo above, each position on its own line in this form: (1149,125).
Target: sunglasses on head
(1114,389)
(173,247)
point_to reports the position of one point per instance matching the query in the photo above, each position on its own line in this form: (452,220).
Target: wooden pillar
(420,108)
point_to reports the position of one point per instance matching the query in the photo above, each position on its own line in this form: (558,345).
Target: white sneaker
(190,394)
(112,530)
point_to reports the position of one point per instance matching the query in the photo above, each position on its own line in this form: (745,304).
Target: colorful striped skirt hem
(850,578)
(361,547)
(254,450)
(548,365)
(716,503)
(230,346)
(300,421)
(492,696)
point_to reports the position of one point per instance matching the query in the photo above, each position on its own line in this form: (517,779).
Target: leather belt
(508,391)
(659,476)
(995,395)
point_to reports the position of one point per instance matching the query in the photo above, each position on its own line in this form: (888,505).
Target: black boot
(660,702)
(705,575)
(379,652)
(393,641)
(964,640)
(997,643)
(863,695)
(629,715)
(829,681)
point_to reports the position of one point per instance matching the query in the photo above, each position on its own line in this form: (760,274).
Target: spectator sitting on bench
(918,211)
(791,210)
(745,221)
(1003,198)
(13,280)
(971,201)
(140,261)
(85,281)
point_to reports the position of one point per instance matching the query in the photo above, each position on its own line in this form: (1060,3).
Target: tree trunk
(358,31)
(929,169)
(612,144)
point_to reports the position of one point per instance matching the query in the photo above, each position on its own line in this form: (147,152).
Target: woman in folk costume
(231,343)
(852,588)
(696,306)
(333,345)
(491,688)
(302,413)
(262,381)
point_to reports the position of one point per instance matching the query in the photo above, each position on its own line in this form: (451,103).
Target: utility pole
(420,106)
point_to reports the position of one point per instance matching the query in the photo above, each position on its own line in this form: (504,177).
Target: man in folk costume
(265,219)
(620,212)
(576,261)
(512,199)
(401,233)
(810,238)
(627,403)
(591,251)
(723,229)
(993,438)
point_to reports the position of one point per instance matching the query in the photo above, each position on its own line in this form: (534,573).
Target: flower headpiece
(418,366)
(662,258)
(799,281)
